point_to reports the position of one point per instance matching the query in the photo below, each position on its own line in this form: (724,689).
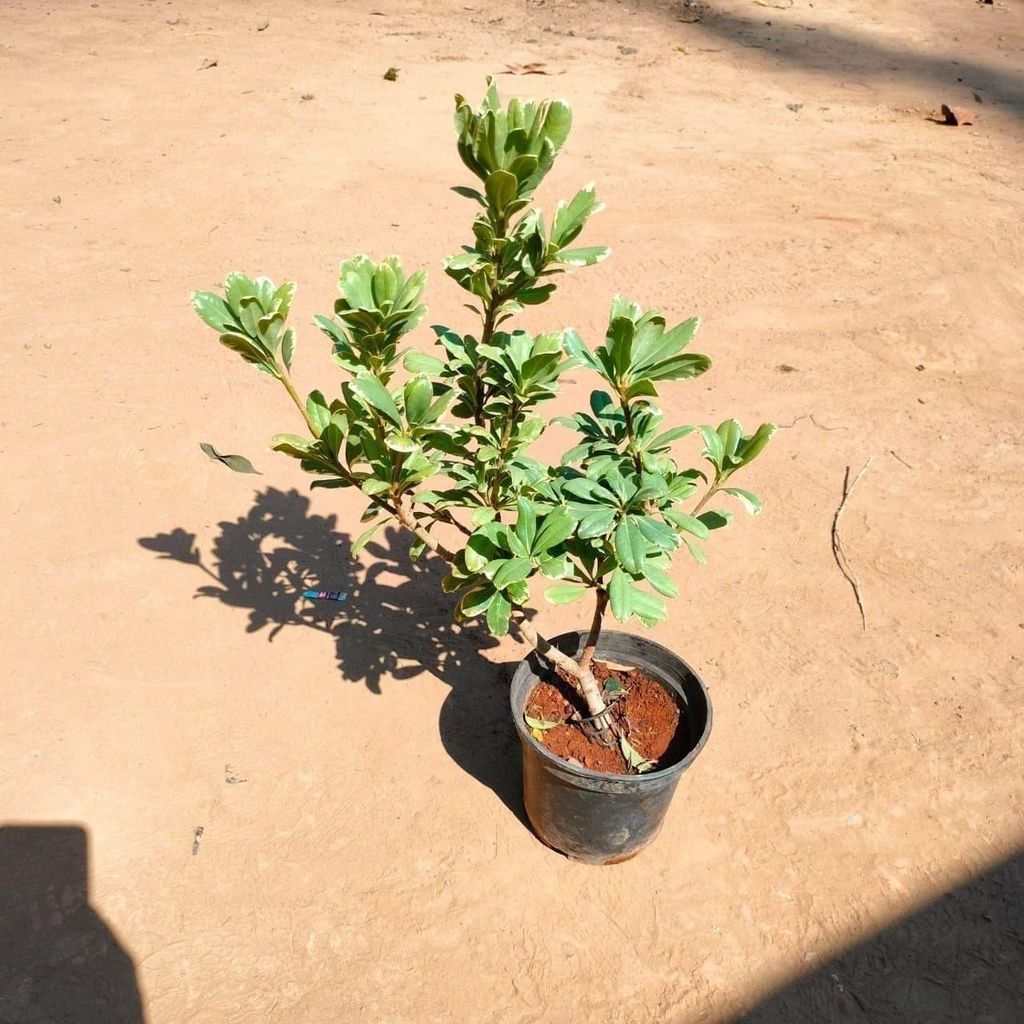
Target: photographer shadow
(59,960)
(394,621)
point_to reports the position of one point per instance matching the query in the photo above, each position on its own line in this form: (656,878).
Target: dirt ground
(363,854)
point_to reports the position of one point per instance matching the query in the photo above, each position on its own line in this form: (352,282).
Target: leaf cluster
(442,438)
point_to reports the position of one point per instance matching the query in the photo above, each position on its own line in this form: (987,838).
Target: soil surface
(643,711)
(329,826)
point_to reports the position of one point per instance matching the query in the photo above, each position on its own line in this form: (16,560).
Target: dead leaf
(956,115)
(208,63)
(263,26)
(615,666)
(391,75)
(533,68)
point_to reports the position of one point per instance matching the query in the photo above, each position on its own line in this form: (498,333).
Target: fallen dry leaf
(533,68)
(957,115)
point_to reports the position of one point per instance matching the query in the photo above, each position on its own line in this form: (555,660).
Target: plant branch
(299,404)
(595,628)
(404,515)
(627,414)
(490,314)
(709,494)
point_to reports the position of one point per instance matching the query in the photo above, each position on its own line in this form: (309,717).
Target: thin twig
(809,416)
(837,544)
(898,459)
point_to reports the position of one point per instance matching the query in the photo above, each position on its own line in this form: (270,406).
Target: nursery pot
(597,817)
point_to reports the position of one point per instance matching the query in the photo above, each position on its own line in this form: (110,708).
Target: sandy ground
(363,855)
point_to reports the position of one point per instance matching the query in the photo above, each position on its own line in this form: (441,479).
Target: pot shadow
(59,960)
(394,622)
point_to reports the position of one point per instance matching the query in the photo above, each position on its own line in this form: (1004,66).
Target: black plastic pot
(592,816)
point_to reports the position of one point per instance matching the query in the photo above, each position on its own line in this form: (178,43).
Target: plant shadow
(394,621)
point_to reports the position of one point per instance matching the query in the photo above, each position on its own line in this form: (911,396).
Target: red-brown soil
(646,713)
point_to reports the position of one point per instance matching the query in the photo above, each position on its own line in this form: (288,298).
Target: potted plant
(608,721)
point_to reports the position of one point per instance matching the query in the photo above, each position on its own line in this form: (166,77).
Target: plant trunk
(595,629)
(584,678)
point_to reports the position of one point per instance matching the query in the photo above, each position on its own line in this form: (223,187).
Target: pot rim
(560,763)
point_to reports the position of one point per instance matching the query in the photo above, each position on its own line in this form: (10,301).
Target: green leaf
(751,447)
(750,501)
(401,443)
(641,389)
(558,526)
(714,450)
(238,286)
(292,444)
(686,522)
(364,538)
(498,615)
(469,193)
(585,257)
(697,552)
(648,608)
(239,463)
(418,394)
(660,580)
(526,522)
(213,311)
(673,434)
(483,514)
(514,570)
(565,593)
(501,188)
(658,533)
(571,217)
(575,348)
(420,362)
(288,347)
(730,432)
(370,389)
(596,524)
(630,546)
(476,602)
(317,411)
(251,351)
(283,298)
(679,367)
(620,590)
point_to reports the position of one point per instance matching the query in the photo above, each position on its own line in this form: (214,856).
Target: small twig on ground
(837,544)
(808,416)
(902,462)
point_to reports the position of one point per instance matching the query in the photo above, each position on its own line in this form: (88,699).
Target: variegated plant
(446,449)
